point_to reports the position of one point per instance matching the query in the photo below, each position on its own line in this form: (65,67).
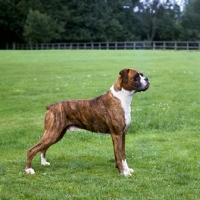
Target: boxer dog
(109,113)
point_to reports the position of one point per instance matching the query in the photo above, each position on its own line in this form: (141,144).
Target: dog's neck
(123,95)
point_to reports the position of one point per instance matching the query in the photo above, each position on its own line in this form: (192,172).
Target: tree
(11,22)
(190,21)
(121,21)
(169,24)
(41,28)
(98,20)
(156,18)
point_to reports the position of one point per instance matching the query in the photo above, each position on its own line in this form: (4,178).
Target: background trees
(41,28)
(191,21)
(159,20)
(40,21)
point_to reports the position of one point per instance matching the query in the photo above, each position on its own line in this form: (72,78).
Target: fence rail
(134,45)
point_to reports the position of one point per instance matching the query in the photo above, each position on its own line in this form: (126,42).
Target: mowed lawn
(162,143)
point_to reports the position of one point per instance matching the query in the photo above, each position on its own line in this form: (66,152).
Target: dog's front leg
(127,170)
(119,151)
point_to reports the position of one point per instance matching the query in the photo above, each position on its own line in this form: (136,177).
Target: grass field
(162,143)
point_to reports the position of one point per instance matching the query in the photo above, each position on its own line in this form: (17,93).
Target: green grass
(162,144)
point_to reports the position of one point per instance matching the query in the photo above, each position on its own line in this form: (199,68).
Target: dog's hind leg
(43,151)
(43,159)
(31,153)
(47,140)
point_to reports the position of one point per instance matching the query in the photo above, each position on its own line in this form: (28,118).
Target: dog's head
(132,79)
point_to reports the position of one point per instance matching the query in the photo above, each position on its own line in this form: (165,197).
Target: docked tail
(48,107)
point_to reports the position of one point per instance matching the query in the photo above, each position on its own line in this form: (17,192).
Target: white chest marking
(125,97)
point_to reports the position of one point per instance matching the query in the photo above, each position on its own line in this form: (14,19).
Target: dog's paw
(131,170)
(29,171)
(127,172)
(45,163)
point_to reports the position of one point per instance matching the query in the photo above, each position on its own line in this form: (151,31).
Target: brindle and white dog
(109,113)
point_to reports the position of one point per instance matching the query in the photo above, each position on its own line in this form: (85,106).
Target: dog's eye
(141,74)
(136,76)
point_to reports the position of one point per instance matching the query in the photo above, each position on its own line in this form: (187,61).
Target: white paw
(43,160)
(30,171)
(131,170)
(127,172)
(45,163)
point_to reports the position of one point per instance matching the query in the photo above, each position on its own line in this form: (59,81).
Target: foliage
(169,24)
(162,144)
(159,20)
(190,21)
(11,23)
(41,28)
(98,20)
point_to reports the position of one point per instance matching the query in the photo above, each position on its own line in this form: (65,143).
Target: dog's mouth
(147,86)
(144,88)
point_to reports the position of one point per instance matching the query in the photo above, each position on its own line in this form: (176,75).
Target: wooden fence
(135,45)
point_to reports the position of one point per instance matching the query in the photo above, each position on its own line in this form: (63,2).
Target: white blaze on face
(125,97)
(142,80)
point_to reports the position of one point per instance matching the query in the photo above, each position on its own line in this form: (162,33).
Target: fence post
(107,45)
(115,45)
(154,45)
(99,45)
(164,45)
(134,45)
(125,45)
(175,46)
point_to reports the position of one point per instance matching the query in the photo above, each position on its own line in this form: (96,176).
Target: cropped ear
(124,75)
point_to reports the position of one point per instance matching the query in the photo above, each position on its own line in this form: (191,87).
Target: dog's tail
(48,107)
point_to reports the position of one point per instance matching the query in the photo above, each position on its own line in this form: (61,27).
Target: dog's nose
(146,79)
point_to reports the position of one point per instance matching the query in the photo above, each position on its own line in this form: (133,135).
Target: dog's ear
(124,75)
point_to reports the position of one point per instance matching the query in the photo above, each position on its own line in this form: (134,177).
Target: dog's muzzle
(144,85)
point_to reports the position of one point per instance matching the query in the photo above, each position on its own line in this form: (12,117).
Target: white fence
(135,45)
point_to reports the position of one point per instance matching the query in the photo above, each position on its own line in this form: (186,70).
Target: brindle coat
(103,114)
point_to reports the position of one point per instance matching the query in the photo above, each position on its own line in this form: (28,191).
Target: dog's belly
(75,128)
(92,121)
